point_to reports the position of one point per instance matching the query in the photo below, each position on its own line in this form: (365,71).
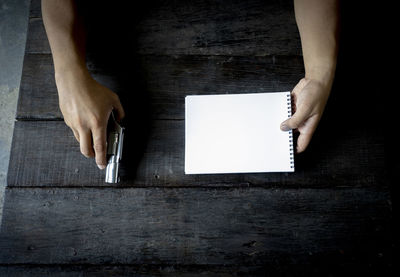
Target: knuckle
(79,123)
(96,122)
(290,122)
(99,147)
(295,121)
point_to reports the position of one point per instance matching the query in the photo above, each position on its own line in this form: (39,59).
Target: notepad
(237,133)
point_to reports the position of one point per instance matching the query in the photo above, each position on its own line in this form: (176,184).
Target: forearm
(318,21)
(66,35)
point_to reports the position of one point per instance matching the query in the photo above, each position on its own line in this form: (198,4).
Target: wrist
(75,73)
(324,75)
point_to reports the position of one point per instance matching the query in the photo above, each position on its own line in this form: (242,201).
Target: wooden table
(60,218)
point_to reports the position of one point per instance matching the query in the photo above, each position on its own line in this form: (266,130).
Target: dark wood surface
(45,153)
(234,28)
(161,82)
(332,216)
(190,226)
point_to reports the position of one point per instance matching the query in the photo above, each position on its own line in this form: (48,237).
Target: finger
(86,143)
(305,135)
(302,142)
(120,110)
(296,120)
(99,146)
(76,134)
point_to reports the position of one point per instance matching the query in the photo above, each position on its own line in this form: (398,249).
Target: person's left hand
(309,98)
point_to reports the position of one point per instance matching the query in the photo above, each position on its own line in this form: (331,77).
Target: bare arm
(66,35)
(318,26)
(85,104)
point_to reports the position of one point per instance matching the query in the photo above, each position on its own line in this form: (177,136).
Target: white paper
(237,133)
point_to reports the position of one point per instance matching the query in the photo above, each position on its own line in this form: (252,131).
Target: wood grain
(45,153)
(193,226)
(334,265)
(159,83)
(35,9)
(331,217)
(251,28)
(135,270)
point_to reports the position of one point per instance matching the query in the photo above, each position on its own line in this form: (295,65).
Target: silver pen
(115,141)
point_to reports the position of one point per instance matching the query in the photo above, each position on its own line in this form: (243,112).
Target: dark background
(60,218)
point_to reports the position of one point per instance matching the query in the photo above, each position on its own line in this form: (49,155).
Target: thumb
(295,121)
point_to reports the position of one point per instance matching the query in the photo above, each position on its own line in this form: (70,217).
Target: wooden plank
(45,153)
(38,90)
(159,82)
(318,267)
(169,270)
(194,226)
(129,270)
(255,27)
(36,39)
(35,9)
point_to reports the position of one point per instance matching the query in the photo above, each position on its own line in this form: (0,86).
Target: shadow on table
(112,60)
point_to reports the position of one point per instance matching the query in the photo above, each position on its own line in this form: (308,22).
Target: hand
(86,106)
(309,98)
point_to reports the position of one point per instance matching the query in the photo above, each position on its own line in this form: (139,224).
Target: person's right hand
(86,106)
(309,100)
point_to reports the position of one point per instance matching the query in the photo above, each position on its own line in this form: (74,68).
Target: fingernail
(284,127)
(101,166)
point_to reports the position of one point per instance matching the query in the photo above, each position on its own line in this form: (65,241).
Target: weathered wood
(161,81)
(216,225)
(36,39)
(122,270)
(45,153)
(255,28)
(35,9)
(134,270)
(334,265)
(239,226)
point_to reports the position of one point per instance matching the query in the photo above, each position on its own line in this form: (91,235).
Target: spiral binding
(289,106)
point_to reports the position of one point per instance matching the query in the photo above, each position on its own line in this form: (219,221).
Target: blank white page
(237,133)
